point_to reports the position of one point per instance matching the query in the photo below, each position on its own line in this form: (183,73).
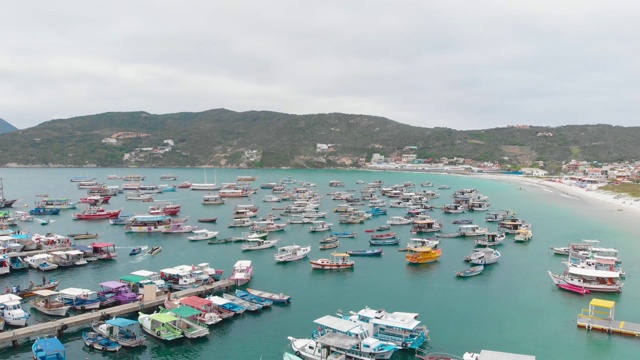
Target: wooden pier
(57,327)
(600,316)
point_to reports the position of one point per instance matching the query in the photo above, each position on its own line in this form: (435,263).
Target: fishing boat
(276,298)
(48,349)
(337,261)
(242,294)
(242,272)
(259,244)
(338,345)
(383,242)
(483,256)
(369,252)
(345,234)
(208,313)
(471,230)
(331,245)
(30,291)
(390,235)
(328,240)
(11,310)
(226,304)
(462,221)
(207,220)
(48,303)
(318,226)
(39,210)
(423,255)
(178,228)
(291,253)
(165,208)
(203,234)
(472,271)
(40,262)
(490,239)
(399,220)
(220,241)
(189,328)
(154,250)
(160,325)
(98,341)
(96,212)
(248,305)
(383,228)
(212,200)
(80,299)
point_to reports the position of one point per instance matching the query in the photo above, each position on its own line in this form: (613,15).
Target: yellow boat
(423,255)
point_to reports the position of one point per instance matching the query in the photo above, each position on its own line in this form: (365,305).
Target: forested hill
(268,139)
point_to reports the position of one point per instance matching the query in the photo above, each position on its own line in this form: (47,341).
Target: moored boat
(48,349)
(383,242)
(98,341)
(423,255)
(259,244)
(369,252)
(291,253)
(337,261)
(11,310)
(242,272)
(161,326)
(202,234)
(472,271)
(121,330)
(593,280)
(242,294)
(276,298)
(483,256)
(48,303)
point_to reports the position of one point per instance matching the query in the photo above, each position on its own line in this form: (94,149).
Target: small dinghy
(99,341)
(472,271)
(137,250)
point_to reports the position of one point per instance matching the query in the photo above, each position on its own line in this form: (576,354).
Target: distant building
(169,142)
(407,158)
(533,172)
(377,159)
(110,141)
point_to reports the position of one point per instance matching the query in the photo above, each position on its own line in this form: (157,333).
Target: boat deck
(58,326)
(609,326)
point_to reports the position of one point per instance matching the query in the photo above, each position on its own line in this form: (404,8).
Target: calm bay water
(513,306)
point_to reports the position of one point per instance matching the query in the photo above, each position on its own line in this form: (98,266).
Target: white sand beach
(617,202)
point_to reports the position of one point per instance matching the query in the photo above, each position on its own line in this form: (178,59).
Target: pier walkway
(600,316)
(57,327)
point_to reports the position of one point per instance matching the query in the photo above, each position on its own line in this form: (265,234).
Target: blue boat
(394,241)
(135,251)
(462,221)
(370,252)
(252,298)
(98,341)
(377,211)
(346,234)
(226,304)
(48,349)
(44,211)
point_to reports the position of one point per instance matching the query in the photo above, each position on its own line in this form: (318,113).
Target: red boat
(390,235)
(164,209)
(96,212)
(184,185)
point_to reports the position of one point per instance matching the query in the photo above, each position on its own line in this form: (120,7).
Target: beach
(592,195)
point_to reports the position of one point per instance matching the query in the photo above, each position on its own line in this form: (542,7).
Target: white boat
(472,230)
(243,303)
(212,200)
(160,325)
(523,235)
(483,256)
(259,244)
(11,310)
(490,239)
(190,329)
(48,303)
(318,226)
(399,220)
(121,330)
(291,253)
(401,328)
(241,222)
(271,198)
(336,346)
(268,225)
(242,272)
(80,299)
(421,242)
(40,262)
(590,279)
(203,234)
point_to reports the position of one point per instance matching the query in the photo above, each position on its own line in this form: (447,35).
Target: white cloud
(464,65)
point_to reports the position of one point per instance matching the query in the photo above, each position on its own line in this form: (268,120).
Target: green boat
(162,326)
(190,328)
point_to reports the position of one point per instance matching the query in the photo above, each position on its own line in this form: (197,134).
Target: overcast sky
(457,64)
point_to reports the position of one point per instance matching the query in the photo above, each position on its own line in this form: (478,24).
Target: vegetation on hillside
(221,138)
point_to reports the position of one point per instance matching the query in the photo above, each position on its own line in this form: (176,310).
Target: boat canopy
(121,322)
(242,264)
(143,273)
(50,345)
(75,291)
(340,325)
(194,301)
(102,245)
(340,341)
(132,278)
(185,311)
(113,285)
(163,318)
(594,273)
(45,292)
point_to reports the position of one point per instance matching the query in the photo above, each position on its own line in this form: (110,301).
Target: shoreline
(617,202)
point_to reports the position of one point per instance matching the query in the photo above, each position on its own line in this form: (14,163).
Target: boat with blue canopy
(48,349)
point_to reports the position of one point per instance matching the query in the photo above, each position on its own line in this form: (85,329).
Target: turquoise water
(513,306)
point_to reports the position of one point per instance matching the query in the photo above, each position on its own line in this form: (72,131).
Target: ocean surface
(512,306)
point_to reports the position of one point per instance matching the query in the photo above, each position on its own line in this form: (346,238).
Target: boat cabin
(104,250)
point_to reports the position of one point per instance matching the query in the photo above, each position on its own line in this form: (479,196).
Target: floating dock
(57,327)
(600,316)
